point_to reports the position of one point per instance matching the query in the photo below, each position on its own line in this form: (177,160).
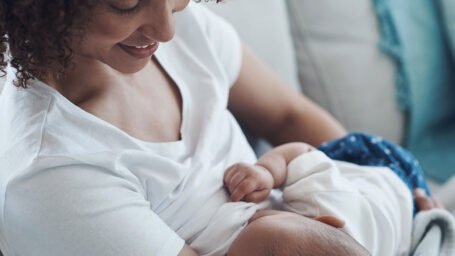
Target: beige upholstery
(341,66)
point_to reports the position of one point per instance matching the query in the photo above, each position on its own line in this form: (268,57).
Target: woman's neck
(86,79)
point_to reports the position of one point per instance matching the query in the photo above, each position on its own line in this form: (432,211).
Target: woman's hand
(424,202)
(251,183)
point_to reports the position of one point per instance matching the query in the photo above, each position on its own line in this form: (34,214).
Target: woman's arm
(270,108)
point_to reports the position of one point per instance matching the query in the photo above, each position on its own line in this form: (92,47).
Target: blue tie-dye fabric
(370,150)
(415,34)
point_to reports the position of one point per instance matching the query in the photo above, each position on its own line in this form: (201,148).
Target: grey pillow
(341,66)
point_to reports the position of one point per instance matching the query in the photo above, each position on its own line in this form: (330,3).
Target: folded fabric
(433,234)
(414,35)
(370,150)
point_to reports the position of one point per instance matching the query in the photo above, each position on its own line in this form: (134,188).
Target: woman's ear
(331,221)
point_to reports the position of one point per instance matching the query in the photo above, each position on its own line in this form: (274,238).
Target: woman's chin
(129,67)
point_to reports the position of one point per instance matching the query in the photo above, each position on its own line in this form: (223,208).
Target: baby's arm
(277,160)
(253,183)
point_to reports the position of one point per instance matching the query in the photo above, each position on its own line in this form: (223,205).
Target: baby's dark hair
(289,234)
(328,241)
(38,34)
(319,239)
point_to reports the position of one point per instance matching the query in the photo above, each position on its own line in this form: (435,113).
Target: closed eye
(125,11)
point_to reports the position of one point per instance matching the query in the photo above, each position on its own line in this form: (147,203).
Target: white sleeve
(83,210)
(224,41)
(375,205)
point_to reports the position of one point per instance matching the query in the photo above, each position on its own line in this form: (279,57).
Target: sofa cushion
(341,66)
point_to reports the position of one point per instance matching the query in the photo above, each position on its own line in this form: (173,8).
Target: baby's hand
(251,183)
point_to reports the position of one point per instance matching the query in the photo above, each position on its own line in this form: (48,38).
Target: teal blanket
(416,36)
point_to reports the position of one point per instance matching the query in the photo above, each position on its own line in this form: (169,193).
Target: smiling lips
(140,52)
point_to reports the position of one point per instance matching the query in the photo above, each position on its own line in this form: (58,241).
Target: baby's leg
(285,233)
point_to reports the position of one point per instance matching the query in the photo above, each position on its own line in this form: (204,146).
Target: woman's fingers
(438,203)
(331,221)
(423,201)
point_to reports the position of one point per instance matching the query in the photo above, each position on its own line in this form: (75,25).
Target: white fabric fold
(375,204)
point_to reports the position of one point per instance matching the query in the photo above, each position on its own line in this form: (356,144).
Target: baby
(373,204)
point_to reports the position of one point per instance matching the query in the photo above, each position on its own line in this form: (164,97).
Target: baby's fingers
(229,173)
(257,196)
(234,181)
(245,187)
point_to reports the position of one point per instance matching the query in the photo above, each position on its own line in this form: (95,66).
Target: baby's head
(322,239)
(289,234)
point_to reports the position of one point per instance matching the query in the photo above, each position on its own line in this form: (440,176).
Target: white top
(373,201)
(73,184)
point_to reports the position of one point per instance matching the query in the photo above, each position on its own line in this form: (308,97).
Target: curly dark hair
(38,35)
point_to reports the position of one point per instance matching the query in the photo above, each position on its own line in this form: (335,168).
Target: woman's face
(124,34)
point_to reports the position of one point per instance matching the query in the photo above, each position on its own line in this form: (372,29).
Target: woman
(125,115)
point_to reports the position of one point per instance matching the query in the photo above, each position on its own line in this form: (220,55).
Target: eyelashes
(125,11)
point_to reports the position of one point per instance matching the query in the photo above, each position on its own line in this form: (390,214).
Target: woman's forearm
(270,108)
(307,122)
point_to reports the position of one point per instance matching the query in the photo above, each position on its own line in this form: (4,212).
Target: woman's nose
(159,20)
(179,5)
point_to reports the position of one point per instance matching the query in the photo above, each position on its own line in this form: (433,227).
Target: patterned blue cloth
(370,150)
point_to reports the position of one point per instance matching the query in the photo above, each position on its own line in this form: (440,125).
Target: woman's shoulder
(23,113)
(36,121)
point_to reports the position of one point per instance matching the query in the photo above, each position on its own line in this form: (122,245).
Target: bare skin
(283,233)
(253,182)
(424,202)
(271,108)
